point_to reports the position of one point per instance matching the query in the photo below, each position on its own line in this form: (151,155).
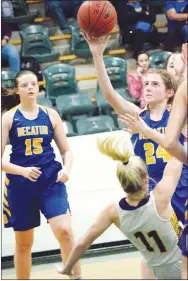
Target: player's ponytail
(9,97)
(131,170)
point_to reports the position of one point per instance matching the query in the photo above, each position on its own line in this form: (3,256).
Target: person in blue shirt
(35,181)
(136,22)
(177,16)
(159,88)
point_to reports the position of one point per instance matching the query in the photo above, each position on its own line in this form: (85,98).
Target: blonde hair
(132,169)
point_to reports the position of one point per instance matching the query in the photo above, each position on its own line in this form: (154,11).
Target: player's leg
(62,229)
(22,206)
(146,272)
(184,272)
(55,207)
(22,257)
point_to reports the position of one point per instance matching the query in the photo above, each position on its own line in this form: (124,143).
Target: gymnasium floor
(115,266)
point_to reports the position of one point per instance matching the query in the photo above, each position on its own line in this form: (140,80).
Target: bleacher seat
(96,124)
(44,101)
(117,72)
(8,79)
(69,129)
(60,80)
(72,107)
(158,59)
(78,45)
(36,43)
(21,13)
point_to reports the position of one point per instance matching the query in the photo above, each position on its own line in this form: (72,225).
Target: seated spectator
(177,16)
(136,22)
(60,10)
(135,79)
(9,53)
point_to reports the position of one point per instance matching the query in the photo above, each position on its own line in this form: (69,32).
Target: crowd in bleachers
(136,21)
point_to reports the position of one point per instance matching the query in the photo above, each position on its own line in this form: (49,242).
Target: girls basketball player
(159,88)
(34,180)
(170,141)
(177,119)
(143,217)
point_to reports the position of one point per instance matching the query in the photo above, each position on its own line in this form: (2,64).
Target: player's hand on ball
(96,45)
(31,173)
(63,176)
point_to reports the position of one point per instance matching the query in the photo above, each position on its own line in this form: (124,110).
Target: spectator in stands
(136,22)
(177,16)
(135,79)
(9,53)
(60,10)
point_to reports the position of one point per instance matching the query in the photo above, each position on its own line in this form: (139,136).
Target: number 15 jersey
(31,139)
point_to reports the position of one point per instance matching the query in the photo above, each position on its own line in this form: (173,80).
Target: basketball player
(143,217)
(170,142)
(34,180)
(159,88)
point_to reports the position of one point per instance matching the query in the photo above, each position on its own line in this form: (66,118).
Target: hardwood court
(126,268)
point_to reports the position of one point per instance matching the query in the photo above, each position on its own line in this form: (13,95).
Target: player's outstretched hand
(135,124)
(96,45)
(31,173)
(63,176)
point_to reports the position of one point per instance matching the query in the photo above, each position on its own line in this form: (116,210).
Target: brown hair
(168,80)
(9,98)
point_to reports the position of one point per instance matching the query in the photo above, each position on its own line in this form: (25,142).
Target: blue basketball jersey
(31,139)
(153,154)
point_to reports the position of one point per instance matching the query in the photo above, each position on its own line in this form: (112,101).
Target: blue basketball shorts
(184,245)
(24,199)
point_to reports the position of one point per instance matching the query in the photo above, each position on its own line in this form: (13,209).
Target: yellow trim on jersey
(5,190)
(44,108)
(175,224)
(5,202)
(5,219)
(7,210)
(13,108)
(7,181)
(186,215)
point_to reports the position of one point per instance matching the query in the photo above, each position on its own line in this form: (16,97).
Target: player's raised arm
(119,104)
(104,220)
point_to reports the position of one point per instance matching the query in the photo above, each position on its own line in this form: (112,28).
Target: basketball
(97,18)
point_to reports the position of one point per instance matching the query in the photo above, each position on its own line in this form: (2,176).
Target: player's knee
(65,233)
(24,246)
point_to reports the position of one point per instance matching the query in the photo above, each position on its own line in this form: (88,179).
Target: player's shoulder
(49,110)
(8,116)
(10,113)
